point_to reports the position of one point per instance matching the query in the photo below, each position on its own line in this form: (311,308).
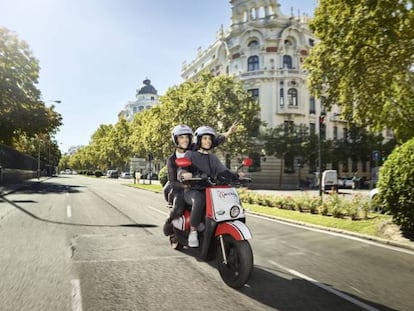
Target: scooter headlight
(234,211)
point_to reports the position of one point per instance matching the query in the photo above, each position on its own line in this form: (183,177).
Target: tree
(364,62)
(290,141)
(21,110)
(214,101)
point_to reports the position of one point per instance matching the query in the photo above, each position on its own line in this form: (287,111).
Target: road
(78,243)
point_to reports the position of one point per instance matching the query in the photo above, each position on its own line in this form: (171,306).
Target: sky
(94,54)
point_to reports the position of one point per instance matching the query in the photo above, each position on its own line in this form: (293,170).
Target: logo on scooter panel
(226,195)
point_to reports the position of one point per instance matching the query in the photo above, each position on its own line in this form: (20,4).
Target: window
(354,164)
(140,108)
(312,128)
(293,97)
(345,167)
(288,126)
(311,42)
(282,99)
(253,44)
(335,132)
(312,108)
(287,61)
(255,94)
(345,134)
(253,63)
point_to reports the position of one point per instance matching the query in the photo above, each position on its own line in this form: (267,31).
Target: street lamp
(321,127)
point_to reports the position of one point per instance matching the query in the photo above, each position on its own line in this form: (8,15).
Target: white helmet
(181,129)
(203,130)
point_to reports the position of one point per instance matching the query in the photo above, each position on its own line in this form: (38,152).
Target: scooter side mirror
(247,162)
(183,162)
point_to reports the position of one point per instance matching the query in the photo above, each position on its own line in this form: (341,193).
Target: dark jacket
(206,164)
(172,168)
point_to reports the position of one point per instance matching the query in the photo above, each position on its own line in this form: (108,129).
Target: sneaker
(193,239)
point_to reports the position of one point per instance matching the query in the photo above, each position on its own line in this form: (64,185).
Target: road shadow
(278,289)
(30,187)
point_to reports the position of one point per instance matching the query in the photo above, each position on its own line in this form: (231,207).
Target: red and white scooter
(225,237)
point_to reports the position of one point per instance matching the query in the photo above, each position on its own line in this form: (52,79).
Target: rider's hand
(186,176)
(242,175)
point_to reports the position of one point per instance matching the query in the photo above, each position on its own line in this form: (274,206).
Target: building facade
(146,98)
(266,49)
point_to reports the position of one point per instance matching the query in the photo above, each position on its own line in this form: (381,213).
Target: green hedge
(396,185)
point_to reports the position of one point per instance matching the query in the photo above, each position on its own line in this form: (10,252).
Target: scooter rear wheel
(239,265)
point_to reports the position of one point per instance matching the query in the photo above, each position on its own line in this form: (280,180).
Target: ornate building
(146,98)
(265,50)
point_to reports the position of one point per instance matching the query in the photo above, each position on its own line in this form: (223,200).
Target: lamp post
(38,161)
(321,127)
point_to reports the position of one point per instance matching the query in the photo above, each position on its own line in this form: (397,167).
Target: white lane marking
(67,194)
(157,210)
(76,298)
(325,287)
(68,211)
(326,231)
(150,258)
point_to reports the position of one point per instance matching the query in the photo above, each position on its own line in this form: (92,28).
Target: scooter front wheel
(239,256)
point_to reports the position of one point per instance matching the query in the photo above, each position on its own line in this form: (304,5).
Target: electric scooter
(225,236)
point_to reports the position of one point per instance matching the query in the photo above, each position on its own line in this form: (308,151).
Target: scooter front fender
(237,229)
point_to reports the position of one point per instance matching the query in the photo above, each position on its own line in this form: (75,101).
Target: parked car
(374,205)
(329,180)
(348,182)
(373,193)
(112,174)
(126,175)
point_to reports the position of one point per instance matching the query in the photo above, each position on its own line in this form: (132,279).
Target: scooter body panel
(237,229)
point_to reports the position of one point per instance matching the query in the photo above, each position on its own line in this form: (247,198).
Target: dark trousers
(178,205)
(197,200)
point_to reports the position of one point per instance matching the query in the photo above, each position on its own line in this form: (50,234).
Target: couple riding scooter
(178,193)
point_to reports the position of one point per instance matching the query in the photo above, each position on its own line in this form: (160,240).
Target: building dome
(147,88)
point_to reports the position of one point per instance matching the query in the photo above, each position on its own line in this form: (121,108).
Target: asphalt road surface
(78,243)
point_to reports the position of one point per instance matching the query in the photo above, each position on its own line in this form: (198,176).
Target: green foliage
(396,184)
(163,176)
(22,113)
(214,101)
(333,205)
(364,60)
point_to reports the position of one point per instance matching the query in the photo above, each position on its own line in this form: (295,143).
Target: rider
(203,163)
(173,190)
